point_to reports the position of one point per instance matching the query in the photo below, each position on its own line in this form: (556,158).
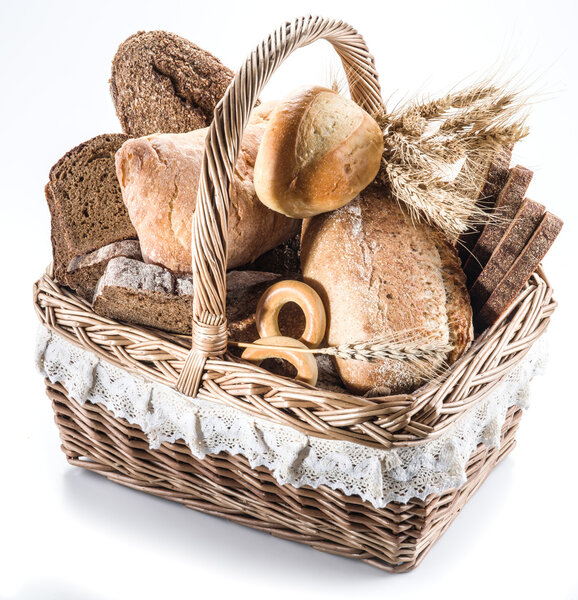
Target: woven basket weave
(394,538)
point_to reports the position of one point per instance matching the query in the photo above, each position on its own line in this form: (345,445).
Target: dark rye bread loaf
(150,295)
(162,83)
(86,207)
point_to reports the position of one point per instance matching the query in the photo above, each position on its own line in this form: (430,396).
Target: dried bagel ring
(304,362)
(279,294)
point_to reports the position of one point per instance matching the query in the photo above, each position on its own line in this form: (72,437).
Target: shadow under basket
(395,537)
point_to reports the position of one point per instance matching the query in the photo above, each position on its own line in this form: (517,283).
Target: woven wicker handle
(210,220)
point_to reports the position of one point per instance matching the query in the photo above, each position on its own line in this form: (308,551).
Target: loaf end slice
(162,83)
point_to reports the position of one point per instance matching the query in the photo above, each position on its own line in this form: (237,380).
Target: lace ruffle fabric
(377,476)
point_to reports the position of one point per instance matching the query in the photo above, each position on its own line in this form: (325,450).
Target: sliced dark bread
(519,273)
(507,205)
(508,249)
(162,83)
(86,206)
(150,295)
(492,178)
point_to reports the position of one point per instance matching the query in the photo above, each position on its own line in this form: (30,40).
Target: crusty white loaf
(378,273)
(159,176)
(318,152)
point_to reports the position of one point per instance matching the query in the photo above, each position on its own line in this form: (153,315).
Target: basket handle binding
(210,219)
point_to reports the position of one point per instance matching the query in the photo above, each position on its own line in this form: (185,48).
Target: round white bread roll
(377,274)
(318,152)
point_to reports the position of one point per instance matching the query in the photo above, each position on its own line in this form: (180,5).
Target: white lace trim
(378,476)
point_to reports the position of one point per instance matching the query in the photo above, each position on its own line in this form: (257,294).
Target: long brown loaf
(159,177)
(162,83)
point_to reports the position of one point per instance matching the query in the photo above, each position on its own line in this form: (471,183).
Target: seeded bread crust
(162,83)
(378,273)
(86,207)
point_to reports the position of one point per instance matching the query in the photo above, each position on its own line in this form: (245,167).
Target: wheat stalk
(424,141)
(426,357)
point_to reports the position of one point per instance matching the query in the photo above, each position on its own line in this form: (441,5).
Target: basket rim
(383,422)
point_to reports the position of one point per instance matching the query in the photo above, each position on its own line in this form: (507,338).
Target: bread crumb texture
(378,273)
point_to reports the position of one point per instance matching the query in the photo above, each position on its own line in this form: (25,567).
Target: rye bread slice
(162,83)
(522,269)
(493,176)
(85,201)
(150,295)
(509,248)
(507,205)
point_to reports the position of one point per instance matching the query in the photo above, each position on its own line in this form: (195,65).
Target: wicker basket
(393,538)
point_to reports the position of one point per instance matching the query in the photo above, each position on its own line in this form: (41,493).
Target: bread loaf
(378,273)
(159,176)
(86,207)
(162,83)
(150,295)
(318,152)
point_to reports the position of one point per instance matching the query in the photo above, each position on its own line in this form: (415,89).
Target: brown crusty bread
(518,274)
(159,177)
(162,83)
(508,203)
(150,295)
(86,207)
(508,249)
(378,273)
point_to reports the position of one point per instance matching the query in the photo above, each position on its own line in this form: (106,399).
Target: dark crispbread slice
(85,201)
(493,177)
(522,269)
(507,205)
(510,246)
(162,83)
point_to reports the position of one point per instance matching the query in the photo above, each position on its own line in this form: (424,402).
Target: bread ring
(279,294)
(304,362)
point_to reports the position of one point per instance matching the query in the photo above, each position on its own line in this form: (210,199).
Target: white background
(66,534)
